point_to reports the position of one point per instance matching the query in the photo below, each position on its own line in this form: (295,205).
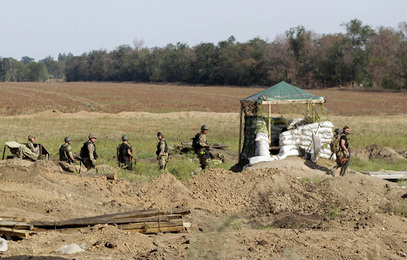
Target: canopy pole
(240,130)
(269,124)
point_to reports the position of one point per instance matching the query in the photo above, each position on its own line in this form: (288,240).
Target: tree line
(361,56)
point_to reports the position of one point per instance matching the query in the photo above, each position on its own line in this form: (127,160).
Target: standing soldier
(65,151)
(88,152)
(201,147)
(162,151)
(344,153)
(125,154)
(30,144)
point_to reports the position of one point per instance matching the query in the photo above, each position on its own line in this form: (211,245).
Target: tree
(36,72)
(27,60)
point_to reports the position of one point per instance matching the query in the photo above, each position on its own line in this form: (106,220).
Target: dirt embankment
(284,210)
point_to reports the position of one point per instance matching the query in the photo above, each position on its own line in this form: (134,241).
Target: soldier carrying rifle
(201,147)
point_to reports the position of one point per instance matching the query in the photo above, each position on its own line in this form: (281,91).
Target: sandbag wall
(293,141)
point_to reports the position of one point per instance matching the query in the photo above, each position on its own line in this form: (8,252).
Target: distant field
(28,98)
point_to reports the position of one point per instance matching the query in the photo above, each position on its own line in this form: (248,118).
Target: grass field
(52,111)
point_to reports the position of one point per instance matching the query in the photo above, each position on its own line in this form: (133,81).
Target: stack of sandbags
(262,149)
(292,141)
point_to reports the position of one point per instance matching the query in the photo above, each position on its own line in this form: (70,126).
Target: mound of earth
(288,209)
(374,151)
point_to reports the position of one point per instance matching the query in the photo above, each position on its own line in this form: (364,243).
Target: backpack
(62,156)
(195,142)
(335,143)
(84,153)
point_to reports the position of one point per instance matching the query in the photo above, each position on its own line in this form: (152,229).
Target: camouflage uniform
(343,159)
(65,153)
(162,153)
(88,153)
(203,153)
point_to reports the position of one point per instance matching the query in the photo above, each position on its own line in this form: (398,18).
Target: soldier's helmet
(92,136)
(30,137)
(125,138)
(204,127)
(160,134)
(337,130)
(67,139)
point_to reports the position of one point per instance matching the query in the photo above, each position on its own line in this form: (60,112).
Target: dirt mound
(283,209)
(374,151)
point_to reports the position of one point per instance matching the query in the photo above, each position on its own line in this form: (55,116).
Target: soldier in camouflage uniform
(65,151)
(162,151)
(344,153)
(88,152)
(202,147)
(31,146)
(125,154)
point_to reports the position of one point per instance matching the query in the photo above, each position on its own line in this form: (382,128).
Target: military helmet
(67,139)
(204,127)
(30,137)
(337,130)
(160,134)
(92,136)
(125,138)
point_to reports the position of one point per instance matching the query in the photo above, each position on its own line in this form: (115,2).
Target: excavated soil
(288,209)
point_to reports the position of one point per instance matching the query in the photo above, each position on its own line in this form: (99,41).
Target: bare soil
(31,97)
(288,209)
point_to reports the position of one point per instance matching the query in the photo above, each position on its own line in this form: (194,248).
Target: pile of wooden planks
(142,221)
(12,227)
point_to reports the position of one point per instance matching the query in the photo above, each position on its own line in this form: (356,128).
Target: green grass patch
(377,165)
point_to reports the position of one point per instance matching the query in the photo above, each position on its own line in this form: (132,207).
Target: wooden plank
(13,218)
(15,224)
(74,223)
(147,225)
(109,218)
(177,229)
(388,175)
(16,233)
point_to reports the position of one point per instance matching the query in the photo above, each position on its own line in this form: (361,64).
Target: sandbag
(287,148)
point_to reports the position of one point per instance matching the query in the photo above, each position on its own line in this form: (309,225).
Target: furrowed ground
(28,98)
(289,209)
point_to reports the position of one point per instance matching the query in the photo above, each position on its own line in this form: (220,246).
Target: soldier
(201,147)
(31,146)
(344,153)
(65,151)
(162,151)
(88,152)
(125,154)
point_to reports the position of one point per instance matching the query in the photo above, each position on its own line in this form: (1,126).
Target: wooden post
(269,124)
(4,151)
(240,130)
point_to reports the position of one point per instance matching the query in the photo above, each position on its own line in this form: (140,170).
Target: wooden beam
(177,229)
(15,224)
(16,233)
(124,217)
(240,130)
(396,175)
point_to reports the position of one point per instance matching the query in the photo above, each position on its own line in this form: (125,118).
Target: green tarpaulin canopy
(283,93)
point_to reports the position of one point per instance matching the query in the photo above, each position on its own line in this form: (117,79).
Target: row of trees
(360,57)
